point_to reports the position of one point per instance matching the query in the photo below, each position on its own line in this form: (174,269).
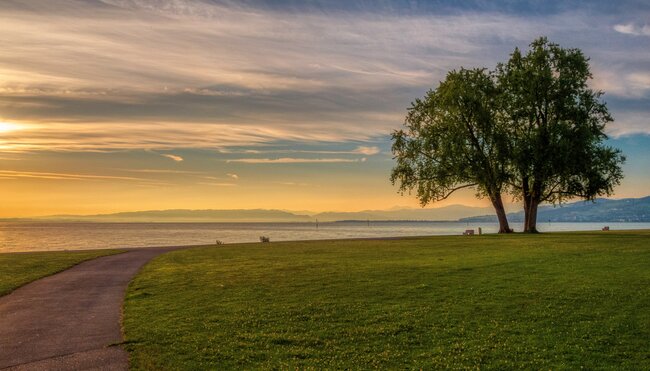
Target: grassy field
(551,301)
(17,269)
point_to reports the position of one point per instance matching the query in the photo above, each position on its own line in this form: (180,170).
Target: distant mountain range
(183,215)
(600,210)
(447,213)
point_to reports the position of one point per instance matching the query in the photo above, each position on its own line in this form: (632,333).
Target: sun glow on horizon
(7,130)
(6,127)
(111,105)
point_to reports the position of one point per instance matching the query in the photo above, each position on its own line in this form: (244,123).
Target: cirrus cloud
(188,73)
(633,29)
(291,160)
(173,157)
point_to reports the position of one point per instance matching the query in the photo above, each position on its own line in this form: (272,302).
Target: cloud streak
(633,29)
(218,184)
(162,171)
(136,74)
(367,150)
(13,174)
(176,158)
(261,97)
(291,160)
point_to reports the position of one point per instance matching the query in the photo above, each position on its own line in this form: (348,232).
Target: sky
(124,105)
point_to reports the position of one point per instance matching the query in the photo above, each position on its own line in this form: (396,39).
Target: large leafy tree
(453,139)
(556,129)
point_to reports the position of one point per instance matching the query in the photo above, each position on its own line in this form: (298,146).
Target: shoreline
(384,238)
(311,222)
(351,221)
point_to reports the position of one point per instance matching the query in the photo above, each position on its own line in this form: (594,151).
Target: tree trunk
(531,194)
(526,211)
(501,214)
(530,215)
(526,197)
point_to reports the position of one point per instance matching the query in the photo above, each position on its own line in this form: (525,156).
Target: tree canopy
(453,140)
(532,129)
(556,129)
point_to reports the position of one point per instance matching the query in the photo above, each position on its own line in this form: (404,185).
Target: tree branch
(454,190)
(513,185)
(428,156)
(552,191)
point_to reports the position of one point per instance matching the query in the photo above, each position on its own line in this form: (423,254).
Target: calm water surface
(37,236)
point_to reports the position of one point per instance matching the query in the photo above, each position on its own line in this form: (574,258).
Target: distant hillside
(182,215)
(601,210)
(452,213)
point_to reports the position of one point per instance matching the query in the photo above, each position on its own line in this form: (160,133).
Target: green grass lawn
(17,269)
(551,301)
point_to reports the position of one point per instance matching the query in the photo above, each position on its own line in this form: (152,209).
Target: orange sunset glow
(121,105)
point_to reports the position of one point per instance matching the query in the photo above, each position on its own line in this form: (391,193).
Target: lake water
(38,236)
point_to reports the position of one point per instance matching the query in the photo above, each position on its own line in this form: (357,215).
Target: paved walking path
(70,320)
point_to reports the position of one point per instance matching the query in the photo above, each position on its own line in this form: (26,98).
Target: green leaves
(532,128)
(556,126)
(450,139)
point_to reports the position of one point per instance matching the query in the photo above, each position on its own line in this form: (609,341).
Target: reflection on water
(34,236)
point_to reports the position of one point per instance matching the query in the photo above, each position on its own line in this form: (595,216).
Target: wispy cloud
(218,184)
(293,184)
(629,123)
(291,160)
(69,176)
(176,158)
(106,136)
(618,82)
(236,87)
(161,171)
(124,74)
(367,150)
(359,150)
(633,29)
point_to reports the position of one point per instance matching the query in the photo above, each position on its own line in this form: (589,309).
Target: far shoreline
(352,221)
(386,238)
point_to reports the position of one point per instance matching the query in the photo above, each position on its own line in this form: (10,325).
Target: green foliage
(17,269)
(553,301)
(451,140)
(556,126)
(532,128)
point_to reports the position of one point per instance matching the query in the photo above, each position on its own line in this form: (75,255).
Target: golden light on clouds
(114,105)
(6,127)
(176,158)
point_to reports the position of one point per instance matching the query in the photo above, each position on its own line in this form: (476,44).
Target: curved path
(71,320)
